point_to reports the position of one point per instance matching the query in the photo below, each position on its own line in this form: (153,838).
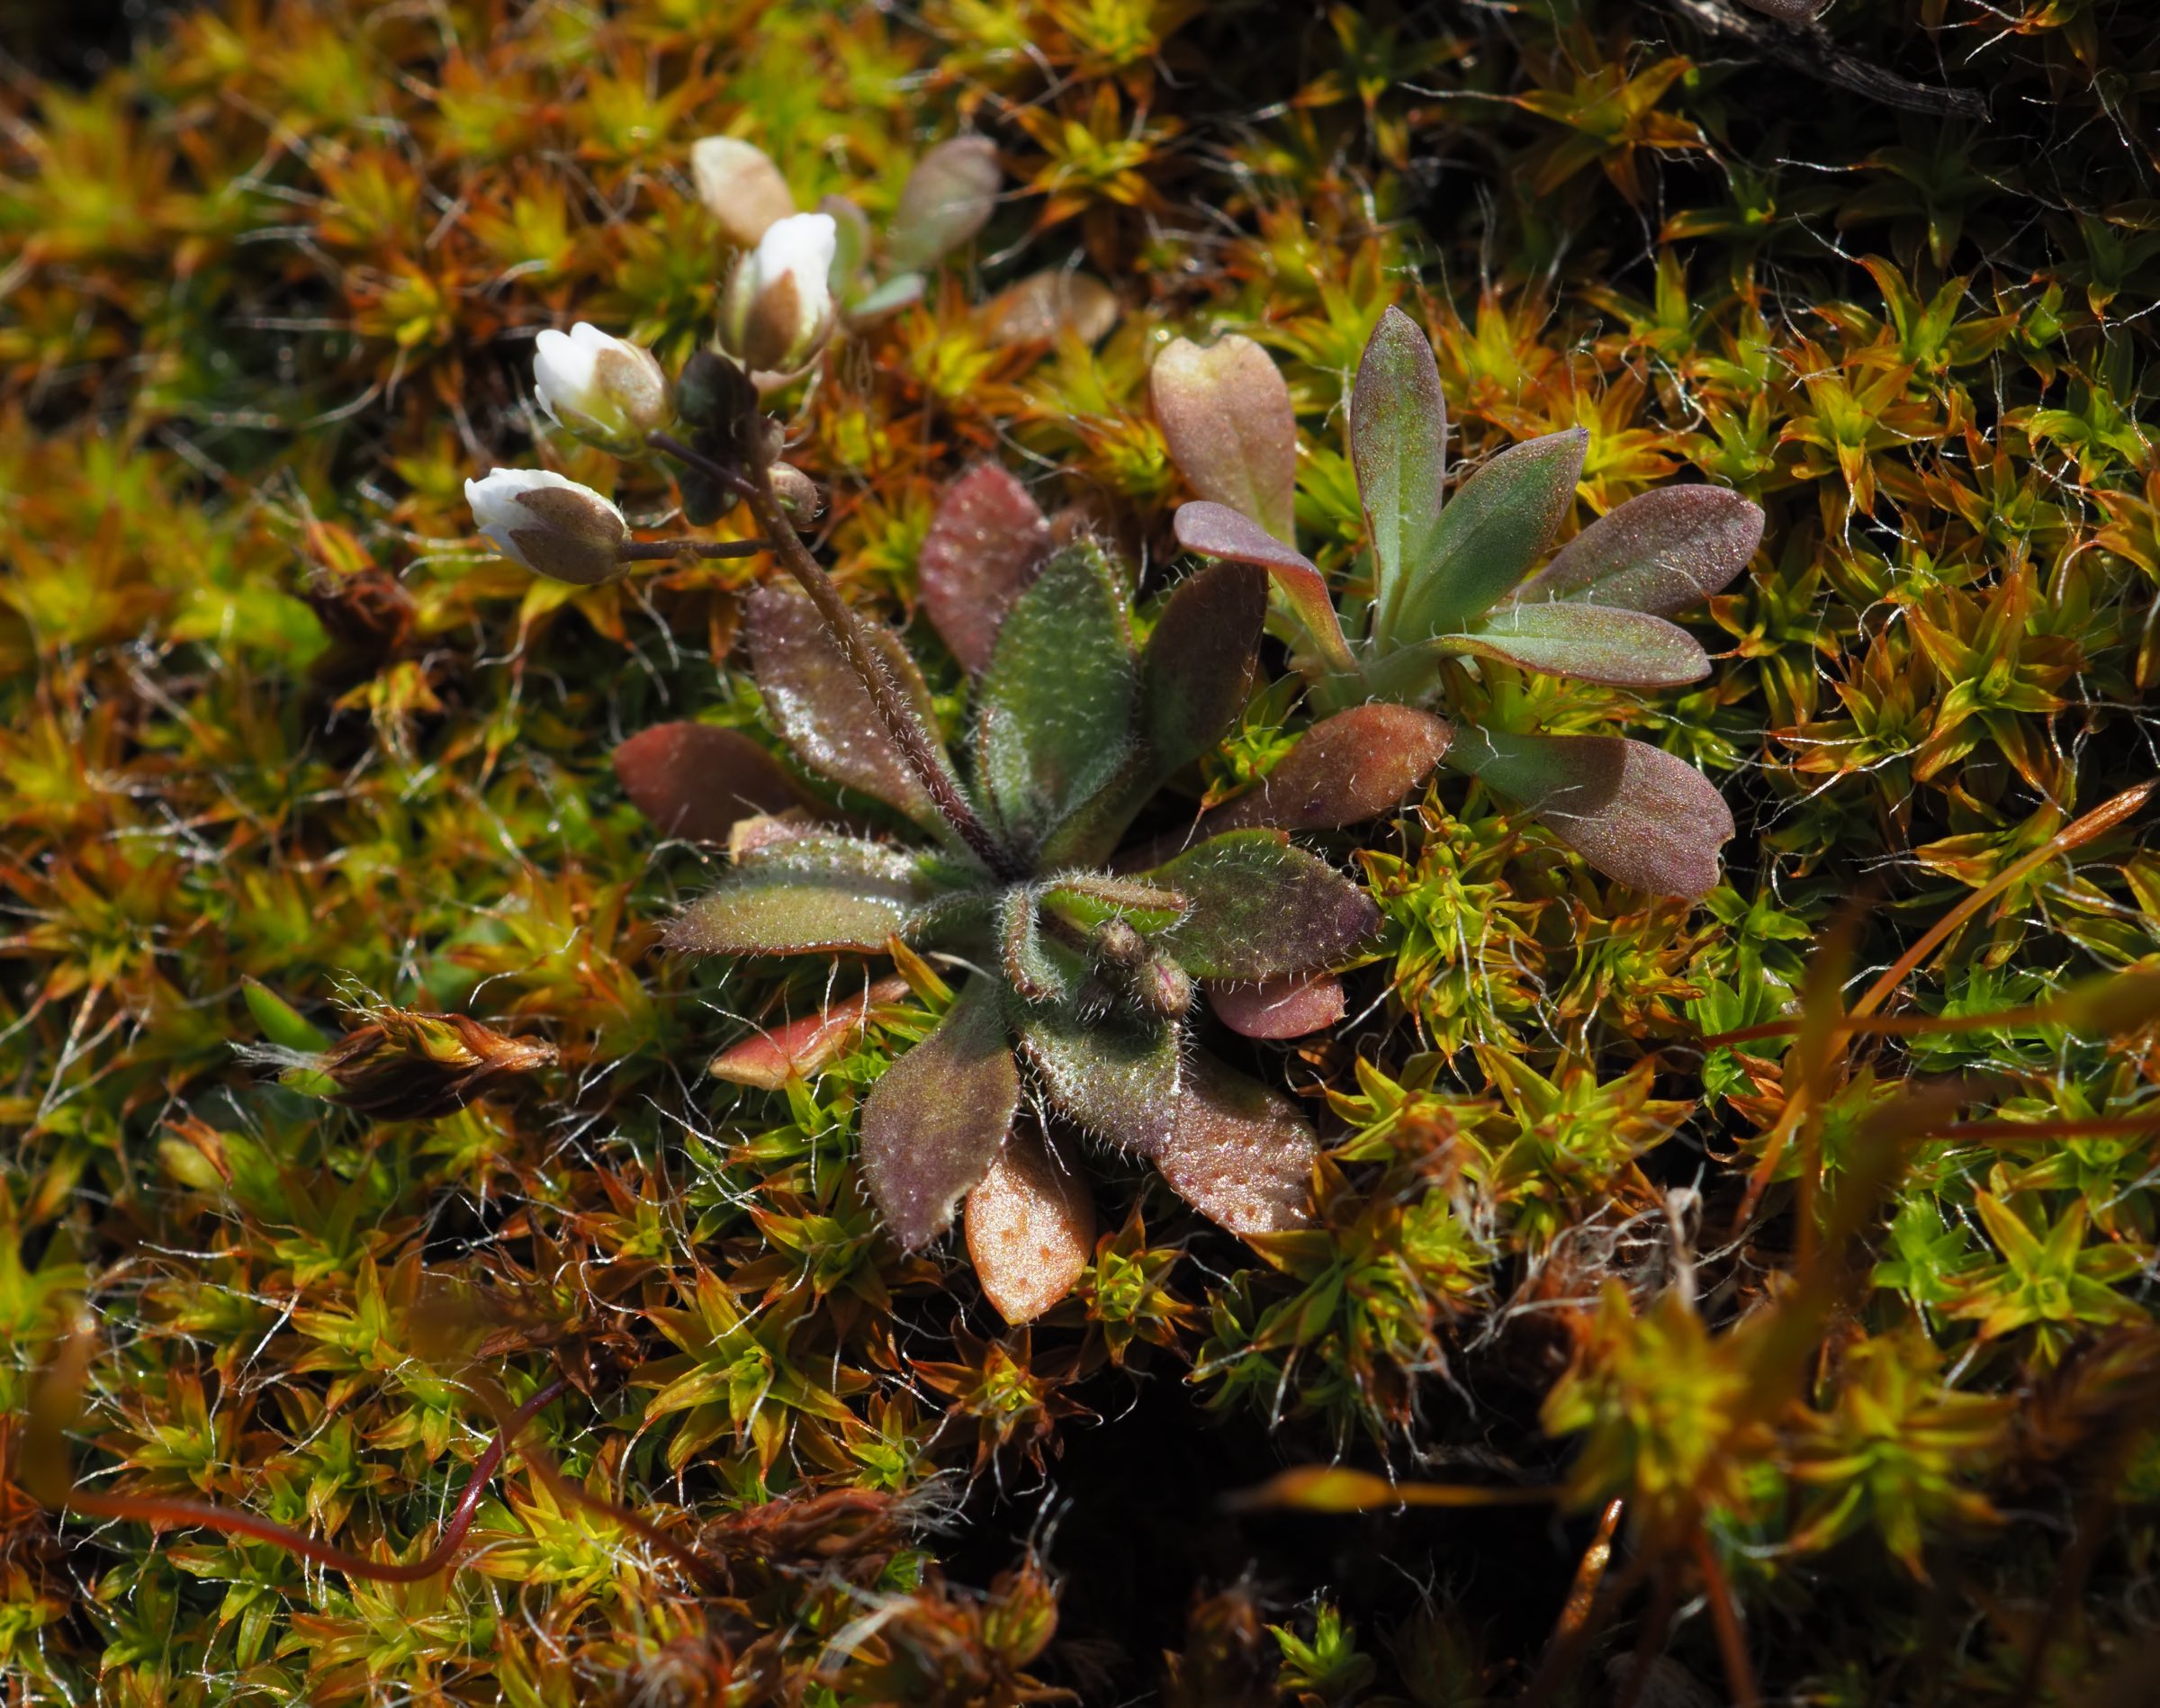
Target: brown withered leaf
(407,1066)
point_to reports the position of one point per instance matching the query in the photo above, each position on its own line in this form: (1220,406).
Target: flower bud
(778,311)
(796,491)
(552,526)
(608,391)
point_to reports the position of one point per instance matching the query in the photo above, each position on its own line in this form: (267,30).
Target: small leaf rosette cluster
(1079,973)
(1451,581)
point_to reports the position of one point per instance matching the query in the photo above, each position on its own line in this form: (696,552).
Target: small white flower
(552,527)
(607,391)
(778,311)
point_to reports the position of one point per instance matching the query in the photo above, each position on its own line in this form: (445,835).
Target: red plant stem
(893,710)
(159,1509)
(657,551)
(1732,1646)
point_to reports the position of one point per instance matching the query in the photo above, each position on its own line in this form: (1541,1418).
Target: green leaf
(1635,812)
(1489,535)
(1056,710)
(1658,553)
(811,893)
(1260,908)
(821,710)
(932,1124)
(1036,972)
(1215,530)
(1238,1153)
(282,1023)
(1344,770)
(1087,900)
(1227,419)
(1110,1077)
(1399,445)
(1198,666)
(1591,643)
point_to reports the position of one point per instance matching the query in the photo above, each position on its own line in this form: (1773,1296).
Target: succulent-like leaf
(1260,908)
(1225,415)
(1399,445)
(934,1121)
(1031,1229)
(1239,1154)
(1112,1076)
(1489,534)
(1215,530)
(698,781)
(1344,770)
(798,1050)
(947,199)
(1057,703)
(984,545)
(1592,642)
(1659,552)
(811,893)
(1293,1007)
(821,710)
(1198,666)
(1635,812)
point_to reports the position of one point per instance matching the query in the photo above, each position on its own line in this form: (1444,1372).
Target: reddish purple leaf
(1278,1008)
(1225,415)
(1635,812)
(1591,643)
(696,781)
(984,545)
(933,1123)
(1215,530)
(1043,306)
(802,1047)
(1031,1229)
(1260,908)
(1238,1153)
(1344,770)
(1659,554)
(1198,666)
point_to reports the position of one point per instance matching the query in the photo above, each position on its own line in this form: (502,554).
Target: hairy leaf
(1031,1229)
(1225,415)
(933,1123)
(1295,1006)
(1056,702)
(1089,898)
(1399,444)
(1036,971)
(984,545)
(815,892)
(1238,1153)
(698,781)
(1592,642)
(1489,535)
(1635,812)
(947,199)
(1198,666)
(1109,1076)
(1660,553)
(1344,770)
(822,709)
(1261,908)
(1215,530)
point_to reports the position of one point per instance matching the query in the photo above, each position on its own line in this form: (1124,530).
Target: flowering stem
(655,550)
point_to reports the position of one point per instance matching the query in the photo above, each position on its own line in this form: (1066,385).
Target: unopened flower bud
(778,311)
(797,492)
(552,526)
(1162,987)
(607,391)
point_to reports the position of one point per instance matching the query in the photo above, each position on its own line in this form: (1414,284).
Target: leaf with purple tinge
(1238,1153)
(1399,446)
(1117,1080)
(1296,1006)
(1635,812)
(1225,415)
(986,544)
(947,199)
(824,713)
(1591,643)
(698,781)
(1031,1229)
(1215,530)
(1344,770)
(1044,306)
(934,1121)
(1659,554)
(818,892)
(800,1048)
(1489,534)
(1197,668)
(1261,908)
